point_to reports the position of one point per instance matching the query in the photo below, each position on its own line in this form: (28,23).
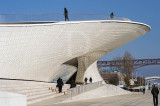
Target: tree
(126,64)
(126,79)
(114,81)
(118,60)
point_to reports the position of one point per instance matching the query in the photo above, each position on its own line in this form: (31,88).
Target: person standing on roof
(111,15)
(66,14)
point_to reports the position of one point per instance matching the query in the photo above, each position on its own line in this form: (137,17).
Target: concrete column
(84,62)
(82,65)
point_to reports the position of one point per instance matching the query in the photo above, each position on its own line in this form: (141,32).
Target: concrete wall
(12,99)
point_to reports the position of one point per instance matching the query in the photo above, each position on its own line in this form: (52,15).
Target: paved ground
(134,99)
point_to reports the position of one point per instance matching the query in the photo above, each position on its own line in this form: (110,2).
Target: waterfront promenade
(133,99)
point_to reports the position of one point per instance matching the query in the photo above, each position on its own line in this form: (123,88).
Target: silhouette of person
(90,80)
(143,91)
(149,87)
(85,80)
(155,93)
(66,14)
(73,84)
(111,15)
(59,84)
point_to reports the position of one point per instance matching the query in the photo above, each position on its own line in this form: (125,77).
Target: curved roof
(36,51)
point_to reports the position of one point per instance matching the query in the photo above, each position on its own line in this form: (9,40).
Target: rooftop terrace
(53,17)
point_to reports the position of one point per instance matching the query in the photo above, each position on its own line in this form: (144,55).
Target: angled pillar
(84,62)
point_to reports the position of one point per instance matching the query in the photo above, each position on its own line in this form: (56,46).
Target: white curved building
(44,51)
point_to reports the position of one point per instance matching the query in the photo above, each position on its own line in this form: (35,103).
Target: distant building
(131,82)
(113,78)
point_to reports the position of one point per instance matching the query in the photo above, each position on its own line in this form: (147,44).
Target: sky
(144,11)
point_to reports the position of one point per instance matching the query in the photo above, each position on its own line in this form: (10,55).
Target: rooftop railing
(41,17)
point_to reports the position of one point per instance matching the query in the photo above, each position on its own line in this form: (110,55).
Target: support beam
(84,62)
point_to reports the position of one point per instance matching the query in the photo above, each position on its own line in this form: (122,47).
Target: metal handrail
(83,88)
(29,17)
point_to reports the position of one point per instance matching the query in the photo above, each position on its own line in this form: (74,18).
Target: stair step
(35,91)
(30,97)
(20,90)
(44,98)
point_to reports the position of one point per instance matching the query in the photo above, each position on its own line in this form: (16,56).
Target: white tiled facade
(37,51)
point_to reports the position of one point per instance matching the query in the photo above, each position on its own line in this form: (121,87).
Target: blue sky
(144,11)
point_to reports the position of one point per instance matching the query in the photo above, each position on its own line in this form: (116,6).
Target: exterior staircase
(35,91)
